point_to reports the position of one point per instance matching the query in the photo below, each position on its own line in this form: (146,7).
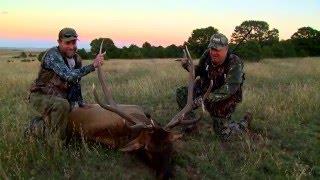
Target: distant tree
(40,56)
(134,52)
(260,33)
(23,55)
(83,53)
(173,51)
(250,51)
(146,45)
(267,52)
(124,53)
(283,49)
(108,46)
(31,55)
(199,40)
(90,55)
(272,37)
(306,41)
(306,33)
(159,52)
(146,50)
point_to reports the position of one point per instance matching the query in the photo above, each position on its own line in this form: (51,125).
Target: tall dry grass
(282,94)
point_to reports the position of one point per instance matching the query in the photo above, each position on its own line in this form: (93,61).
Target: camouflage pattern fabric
(56,87)
(218,41)
(55,76)
(226,92)
(54,112)
(53,60)
(75,96)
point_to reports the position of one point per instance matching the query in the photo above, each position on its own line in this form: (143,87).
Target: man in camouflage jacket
(226,71)
(57,88)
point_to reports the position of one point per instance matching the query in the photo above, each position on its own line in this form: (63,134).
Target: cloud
(4,12)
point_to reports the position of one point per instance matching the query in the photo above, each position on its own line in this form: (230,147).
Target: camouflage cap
(68,34)
(218,41)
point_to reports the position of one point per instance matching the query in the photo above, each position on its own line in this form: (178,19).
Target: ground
(282,94)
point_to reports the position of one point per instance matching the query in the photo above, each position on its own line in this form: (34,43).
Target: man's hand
(98,61)
(197,102)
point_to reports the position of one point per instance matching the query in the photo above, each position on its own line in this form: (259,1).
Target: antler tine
(206,95)
(113,107)
(109,107)
(191,78)
(179,117)
(100,50)
(116,110)
(105,88)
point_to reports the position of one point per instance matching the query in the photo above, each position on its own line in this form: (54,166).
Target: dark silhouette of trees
(306,41)
(262,42)
(260,33)
(199,40)
(108,46)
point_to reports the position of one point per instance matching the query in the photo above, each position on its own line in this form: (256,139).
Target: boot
(35,128)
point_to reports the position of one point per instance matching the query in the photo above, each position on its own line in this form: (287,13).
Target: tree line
(262,42)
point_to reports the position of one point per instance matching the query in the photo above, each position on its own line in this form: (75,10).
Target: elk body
(128,128)
(104,126)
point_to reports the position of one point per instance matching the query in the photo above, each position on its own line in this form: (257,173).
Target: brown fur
(99,125)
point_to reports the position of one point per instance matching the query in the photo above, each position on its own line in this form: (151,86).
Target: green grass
(282,94)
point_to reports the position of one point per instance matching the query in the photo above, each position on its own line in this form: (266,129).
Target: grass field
(282,94)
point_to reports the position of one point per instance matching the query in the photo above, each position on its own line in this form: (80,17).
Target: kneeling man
(226,71)
(57,87)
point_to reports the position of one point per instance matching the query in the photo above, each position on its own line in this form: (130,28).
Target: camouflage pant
(220,113)
(54,111)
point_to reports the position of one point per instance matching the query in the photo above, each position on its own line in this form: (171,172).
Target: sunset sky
(36,23)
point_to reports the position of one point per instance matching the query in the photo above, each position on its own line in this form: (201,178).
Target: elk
(128,128)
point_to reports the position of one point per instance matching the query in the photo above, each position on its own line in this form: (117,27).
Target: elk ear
(174,136)
(131,147)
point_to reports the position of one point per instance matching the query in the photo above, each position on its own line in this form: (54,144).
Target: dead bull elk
(128,128)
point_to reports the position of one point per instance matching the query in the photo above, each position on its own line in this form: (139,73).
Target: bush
(41,55)
(283,49)
(83,53)
(267,52)
(23,55)
(250,51)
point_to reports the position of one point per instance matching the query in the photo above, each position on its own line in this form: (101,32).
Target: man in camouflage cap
(57,87)
(226,71)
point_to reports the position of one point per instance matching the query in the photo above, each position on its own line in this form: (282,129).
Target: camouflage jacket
(55,77)
(227,77)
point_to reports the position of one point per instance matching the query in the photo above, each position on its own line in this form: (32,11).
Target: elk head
(152,141)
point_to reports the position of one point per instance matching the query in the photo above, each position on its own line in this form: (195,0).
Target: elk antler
(113,107)
(105,88)
(179,118)
(206,95)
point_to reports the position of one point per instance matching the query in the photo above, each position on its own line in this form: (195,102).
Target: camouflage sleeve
(232,83)
(54,61)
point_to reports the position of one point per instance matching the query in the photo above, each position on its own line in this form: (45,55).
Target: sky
(36,23)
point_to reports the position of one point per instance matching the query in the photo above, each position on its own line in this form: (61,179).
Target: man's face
(218,55)
(68,48)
